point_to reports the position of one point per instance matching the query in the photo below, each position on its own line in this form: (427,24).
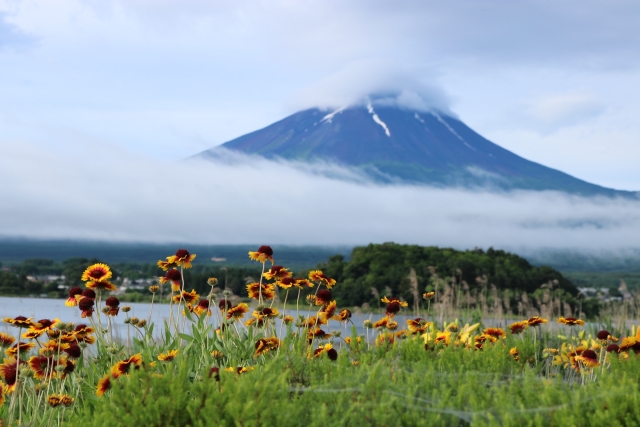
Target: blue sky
(160,80)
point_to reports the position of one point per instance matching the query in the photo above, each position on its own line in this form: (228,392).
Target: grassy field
(221,363)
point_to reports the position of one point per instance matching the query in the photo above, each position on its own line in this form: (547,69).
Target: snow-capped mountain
(394,144)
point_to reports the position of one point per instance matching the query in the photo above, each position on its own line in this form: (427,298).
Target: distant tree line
(384,268)
(371,272)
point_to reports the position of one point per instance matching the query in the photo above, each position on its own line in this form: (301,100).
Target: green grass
(397,386)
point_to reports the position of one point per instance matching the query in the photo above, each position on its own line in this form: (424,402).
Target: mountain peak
(393,142)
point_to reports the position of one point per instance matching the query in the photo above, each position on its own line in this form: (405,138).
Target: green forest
(387,266)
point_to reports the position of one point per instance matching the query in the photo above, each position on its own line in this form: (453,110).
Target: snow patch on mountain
(330,116)
(377,119)
(441,120)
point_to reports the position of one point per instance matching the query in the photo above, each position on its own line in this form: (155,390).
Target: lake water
(44,308)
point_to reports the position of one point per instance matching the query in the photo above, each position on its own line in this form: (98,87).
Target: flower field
(290,355)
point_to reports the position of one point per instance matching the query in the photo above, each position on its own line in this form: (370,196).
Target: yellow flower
(394,299)
(536,321)
(277,272)
(6,340)
(104,384)
(518,327)
(255,290)
(263,254)
(495,332)
(168,356)
(97,273)
(571,321)
(515,353)
(103,285)
(238,311)
(123,367)
(181,258)
(55,400)
(187,297)
(319,276)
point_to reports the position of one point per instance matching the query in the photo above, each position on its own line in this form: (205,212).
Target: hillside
(387,266)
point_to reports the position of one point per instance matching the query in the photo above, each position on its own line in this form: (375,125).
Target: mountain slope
(394,144)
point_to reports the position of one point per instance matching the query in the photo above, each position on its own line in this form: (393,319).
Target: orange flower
(97,273)
(303,283)
(238,311)
(327,311)
(482,338)
(319,276)
(515,353)
(495,332)
(168,356)
(428,295)
(166,265)
(343,316)
(286,282)
(263,254)
(393,305)
(394,299)
(43,367)
(181,258)
(629,343)
(174,277)
(278,272)
(518,327)
(261,347)
(255,290)
(382,323)
(19,321)
(55,400)
(123,367)
(4,390)
(266,312)
(313,321)
(536,321)
(103,385)
(288,320)
(323,297)
(103,285)
(6,340)
(325,349)
(571,321)
(52,347)
(417,325)
(317,334)
(85,304)
(443,337)
(72,301)
(187,297)
(24,349)
(9,371)
(202,307)
(589,358)
(114,306)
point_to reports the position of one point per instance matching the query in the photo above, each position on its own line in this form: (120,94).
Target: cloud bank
(113,195)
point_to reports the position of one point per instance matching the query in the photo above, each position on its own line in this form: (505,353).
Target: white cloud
(553,112)
(112,195)
(385,81)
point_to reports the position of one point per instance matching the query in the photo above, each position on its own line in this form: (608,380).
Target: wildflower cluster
(52,365)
